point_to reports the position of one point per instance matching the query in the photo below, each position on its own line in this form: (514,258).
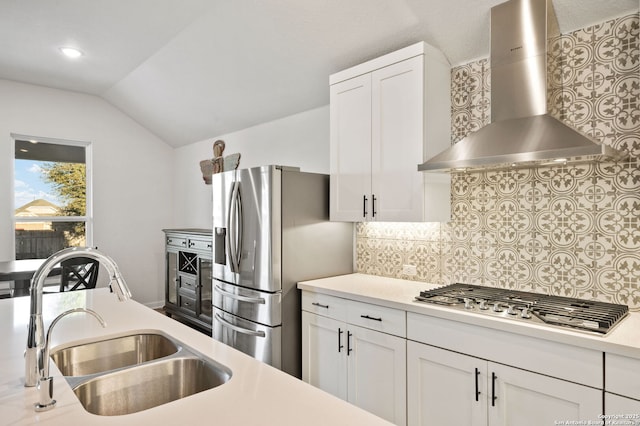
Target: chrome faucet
(45,382)
(35,337)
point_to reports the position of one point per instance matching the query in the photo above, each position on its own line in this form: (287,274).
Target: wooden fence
(38,244)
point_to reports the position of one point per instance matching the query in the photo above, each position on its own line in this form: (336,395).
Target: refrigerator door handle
(235,227)
(259,300)
(230,247)
(239,329)
(240,223)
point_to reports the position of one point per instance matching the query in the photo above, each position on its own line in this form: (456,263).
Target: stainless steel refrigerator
(271,230)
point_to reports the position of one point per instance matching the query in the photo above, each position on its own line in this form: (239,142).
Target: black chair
(78,273)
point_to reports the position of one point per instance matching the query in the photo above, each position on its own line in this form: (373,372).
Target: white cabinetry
(324,354)
(624,408)
(387,115)
(458,388)
(523,398)
(347,351)
(445,387)
(622,386)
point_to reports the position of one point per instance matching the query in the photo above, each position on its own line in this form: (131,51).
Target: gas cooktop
(582,315)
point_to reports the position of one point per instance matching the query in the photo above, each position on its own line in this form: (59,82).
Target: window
(51,196)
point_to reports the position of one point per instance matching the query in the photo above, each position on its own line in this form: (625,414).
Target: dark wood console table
(20,272)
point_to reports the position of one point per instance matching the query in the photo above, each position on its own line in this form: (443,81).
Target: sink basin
(149,385)
(106,355)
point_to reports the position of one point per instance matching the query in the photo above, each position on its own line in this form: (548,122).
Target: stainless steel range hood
(521,133)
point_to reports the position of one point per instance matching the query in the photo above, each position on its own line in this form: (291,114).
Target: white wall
(132,177)
(300,140)
(135,195)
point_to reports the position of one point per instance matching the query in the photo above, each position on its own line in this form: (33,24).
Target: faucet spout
(45,382)
(35,334)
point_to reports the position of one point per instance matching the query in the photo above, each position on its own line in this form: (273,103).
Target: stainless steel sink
(149,385)
(112,354)
(127,374)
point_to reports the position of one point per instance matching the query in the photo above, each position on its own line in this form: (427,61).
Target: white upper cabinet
(387,115)
(350,116)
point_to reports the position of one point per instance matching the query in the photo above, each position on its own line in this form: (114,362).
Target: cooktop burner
(583,315)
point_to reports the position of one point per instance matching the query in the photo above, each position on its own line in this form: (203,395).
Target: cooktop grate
(585,315)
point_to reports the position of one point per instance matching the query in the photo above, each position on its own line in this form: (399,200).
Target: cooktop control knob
(525,313)
(483,305)
(497,307)
(511,310)
(468,303)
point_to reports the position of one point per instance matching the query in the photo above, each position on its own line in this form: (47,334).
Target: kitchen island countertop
(624,339)
(257,394)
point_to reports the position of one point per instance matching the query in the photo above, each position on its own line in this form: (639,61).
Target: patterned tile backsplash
(566,230)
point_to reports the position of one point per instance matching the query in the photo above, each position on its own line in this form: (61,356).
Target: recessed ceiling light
(560,160)
(24,150)
(71,52)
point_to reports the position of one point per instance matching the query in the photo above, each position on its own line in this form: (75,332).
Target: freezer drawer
(259,341)
(252,305)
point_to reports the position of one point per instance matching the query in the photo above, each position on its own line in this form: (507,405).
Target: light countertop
(624,339)
(256,394)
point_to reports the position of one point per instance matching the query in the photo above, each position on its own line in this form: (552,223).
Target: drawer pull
(320,305)
(256,300)
(225,323)
(370,318)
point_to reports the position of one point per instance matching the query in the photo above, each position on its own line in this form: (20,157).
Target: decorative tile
(426,258)
(565,230)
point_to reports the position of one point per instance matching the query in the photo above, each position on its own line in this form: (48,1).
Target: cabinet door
(397,140)
(623,375)
(205,281)
(350,149)
(324,362)
(171,290)
(377,373)
(627,408)
(528,399)
(444,387)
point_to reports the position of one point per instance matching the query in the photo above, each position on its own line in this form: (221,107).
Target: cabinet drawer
(174,241)
(322,304)
(187,302)
(188,284)
(622,375)
(204,245)
(380,318)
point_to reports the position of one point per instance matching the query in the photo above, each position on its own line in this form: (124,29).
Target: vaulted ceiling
(189,70)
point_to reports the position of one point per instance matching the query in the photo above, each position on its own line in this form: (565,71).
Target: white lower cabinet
(362,366)
(625,408)
(523,398)
(421,370)
(622,387)
(324,356)
(376,372)
(448,388)
(444,387)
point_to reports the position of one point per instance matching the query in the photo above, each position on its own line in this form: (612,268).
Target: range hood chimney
(521,133)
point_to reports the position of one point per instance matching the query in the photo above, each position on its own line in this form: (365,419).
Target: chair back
(79,273)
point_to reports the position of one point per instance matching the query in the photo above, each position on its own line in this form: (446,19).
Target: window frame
(88,217)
